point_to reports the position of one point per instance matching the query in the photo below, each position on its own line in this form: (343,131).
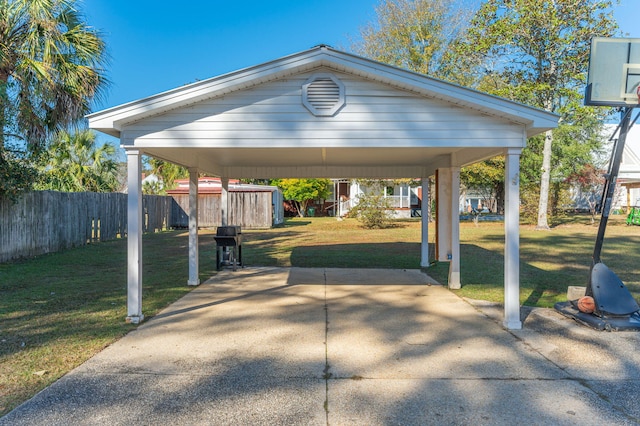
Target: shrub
(373,211)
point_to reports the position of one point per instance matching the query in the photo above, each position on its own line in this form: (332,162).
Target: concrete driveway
(295,346)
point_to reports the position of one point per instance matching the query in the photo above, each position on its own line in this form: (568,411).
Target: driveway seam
(326,374)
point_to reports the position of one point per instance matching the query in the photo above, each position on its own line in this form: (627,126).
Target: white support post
(512,241)
(194,278)
(134,237)
(443,224)
(424,213)
(224,201)
(454,265)
(336,191)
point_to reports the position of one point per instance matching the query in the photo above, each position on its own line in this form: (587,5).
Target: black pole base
(629,322)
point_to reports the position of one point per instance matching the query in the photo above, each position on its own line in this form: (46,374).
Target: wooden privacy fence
(47,221)
(250,210)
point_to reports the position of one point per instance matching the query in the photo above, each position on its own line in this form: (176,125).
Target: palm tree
(167,172)
(74,162)
(51,67)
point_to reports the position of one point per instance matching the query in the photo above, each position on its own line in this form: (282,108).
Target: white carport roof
(252,123)
(326,113)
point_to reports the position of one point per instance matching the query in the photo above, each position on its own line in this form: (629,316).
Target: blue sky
(157,45)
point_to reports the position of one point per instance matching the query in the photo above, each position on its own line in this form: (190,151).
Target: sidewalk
(297,346)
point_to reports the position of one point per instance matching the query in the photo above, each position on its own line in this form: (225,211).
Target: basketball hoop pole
(609,293)
(610,185)
(615,308)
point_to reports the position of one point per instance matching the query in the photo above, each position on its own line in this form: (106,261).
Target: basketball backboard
(614,72)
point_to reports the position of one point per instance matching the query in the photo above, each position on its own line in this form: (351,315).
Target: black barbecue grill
(228,246)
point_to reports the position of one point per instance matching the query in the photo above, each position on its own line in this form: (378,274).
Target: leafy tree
(302,191)
(416,34)
(153,188)
(487,177)
(16,175)
(167,174)
(74,162)
(536,52)
(51,67)
(589,181)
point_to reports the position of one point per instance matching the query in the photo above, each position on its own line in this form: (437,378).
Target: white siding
(272,114)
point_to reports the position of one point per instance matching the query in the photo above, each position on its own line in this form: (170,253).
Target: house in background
(250,206)
(627,193)
(629,175)
(407,200)
(404,199)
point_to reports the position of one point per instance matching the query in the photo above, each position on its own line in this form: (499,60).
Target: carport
(324,113)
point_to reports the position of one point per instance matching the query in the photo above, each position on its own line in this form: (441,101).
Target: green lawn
(58,310)
(550,260)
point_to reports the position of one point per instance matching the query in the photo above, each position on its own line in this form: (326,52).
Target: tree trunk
(499,191)
(3,105)
(543,204)
(302,207)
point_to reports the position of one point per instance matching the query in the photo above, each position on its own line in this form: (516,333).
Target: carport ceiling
(319,162)
(267,121)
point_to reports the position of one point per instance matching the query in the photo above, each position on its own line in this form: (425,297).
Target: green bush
(16,175)
(373,211)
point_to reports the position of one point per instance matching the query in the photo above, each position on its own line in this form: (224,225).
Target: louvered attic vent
(323,95)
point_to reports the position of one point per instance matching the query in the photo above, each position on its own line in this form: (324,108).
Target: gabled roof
(113,120)
(384,122)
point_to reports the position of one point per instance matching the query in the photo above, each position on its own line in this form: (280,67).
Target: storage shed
(250,206)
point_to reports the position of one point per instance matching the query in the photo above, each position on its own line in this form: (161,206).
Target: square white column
(448,221)
(443,206)
(134,237)
(512,240)
(194,278)
(224,201)
(454,227)
(424,213)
